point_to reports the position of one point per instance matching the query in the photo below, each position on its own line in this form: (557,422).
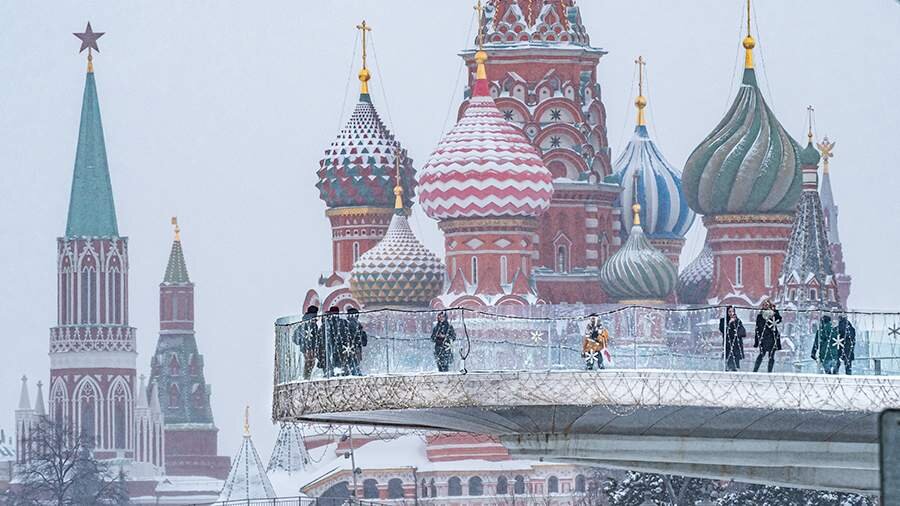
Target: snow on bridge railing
(552,337)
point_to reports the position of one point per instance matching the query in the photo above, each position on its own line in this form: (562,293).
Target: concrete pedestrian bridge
(790,429)
(784,428)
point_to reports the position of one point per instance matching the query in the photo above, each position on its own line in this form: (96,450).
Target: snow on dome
(358,168)
(484,167)
(666,213)
(398,271)
(638,271)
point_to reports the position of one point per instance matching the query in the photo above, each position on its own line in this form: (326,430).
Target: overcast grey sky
(218,111)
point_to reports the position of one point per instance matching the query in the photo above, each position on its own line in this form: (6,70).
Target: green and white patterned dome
(748,164)
(638,271)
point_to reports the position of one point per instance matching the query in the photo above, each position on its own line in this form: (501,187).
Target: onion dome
(695,280)
(748,164)
(484,166)
(399,270)
(638,271)
(358,167)
(642,170)
(534,22)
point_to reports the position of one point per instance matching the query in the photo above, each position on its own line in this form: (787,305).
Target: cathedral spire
(481,83)
(24,398)
(92,211)
(364,74)
(641,101)
(176,271)
(749,43)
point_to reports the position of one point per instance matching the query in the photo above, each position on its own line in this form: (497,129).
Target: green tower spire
(176,271)
(92,212)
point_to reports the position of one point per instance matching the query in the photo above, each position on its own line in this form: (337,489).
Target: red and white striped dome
(484,167)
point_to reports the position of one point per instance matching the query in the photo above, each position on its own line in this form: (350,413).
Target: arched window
(88,298)
(370,489)
(432,488)
(88,402)
(519,485)
(738,271)
(474,273)
(199,395)
(604,249)
(579,483)
(813,294)
(767,270)
(504,270)
(120,416)
(502,486)
(553,485)
(193,364)
(562,258)
(395,488)
(476,486)
(454,487)
(355,251)
(174,396)
(174,366)
(424,488)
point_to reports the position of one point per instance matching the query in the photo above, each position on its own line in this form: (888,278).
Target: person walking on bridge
(733,334)
(828,346)
(443,335)
(358,339)
(767,337)
(847,332)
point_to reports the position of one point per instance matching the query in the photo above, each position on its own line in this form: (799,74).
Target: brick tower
(92,347)
(830,210)
(543,78)
(356,182)
(176,370)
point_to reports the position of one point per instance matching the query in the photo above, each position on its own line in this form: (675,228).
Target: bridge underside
(793,430)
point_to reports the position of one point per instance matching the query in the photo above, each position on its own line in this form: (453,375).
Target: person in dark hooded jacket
(306,336)
(768,337)
(733,334)
(443,335)
(847,332)
(334,340)
(358,339)
(827,346)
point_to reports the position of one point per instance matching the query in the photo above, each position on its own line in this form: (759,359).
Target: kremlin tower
(92,347)
(178,380)
(543,79)
(745,180)
(487,186)
(667,216)
(355,181)
(807,277)
(830,211)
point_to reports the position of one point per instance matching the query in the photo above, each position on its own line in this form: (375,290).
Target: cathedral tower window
(562,258)
(120,418)
(355,251)
(174,396)
(474,271)
(767,268)
(88,411)
(738,271)
(504,270)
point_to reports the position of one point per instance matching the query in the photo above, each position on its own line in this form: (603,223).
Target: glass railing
(538,338)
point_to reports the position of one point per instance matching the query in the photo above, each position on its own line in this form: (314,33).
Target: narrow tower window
(738,272)
(504,275)
(474,275)
(767,268)
(355,251)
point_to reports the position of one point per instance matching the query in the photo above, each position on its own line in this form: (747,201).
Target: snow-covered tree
(762,495)
(639,489)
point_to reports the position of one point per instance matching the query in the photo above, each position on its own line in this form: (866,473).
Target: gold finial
(480,56)
(247,421)
(364,74)
(825,148)
(749,43)
(90,68)
(398,189)
(810,110)
(641,101)
(177,228)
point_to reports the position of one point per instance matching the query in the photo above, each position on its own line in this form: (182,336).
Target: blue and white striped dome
(665,213)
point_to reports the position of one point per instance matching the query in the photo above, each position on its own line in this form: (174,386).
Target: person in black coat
(847,334)
(333,343)
(443,335)
(733,334)
(768,338)
(306,336)
(358,339)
